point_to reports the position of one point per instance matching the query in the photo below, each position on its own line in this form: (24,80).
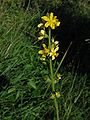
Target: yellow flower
(53,53)
(59,76)
(55,42)
(40,25)
(51,21)
(52,96)
(42,35)
(44,52)
(55,95)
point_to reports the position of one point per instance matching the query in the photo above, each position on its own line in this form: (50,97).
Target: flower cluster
(44,52)
(50,21)
(49,52)
(54,48)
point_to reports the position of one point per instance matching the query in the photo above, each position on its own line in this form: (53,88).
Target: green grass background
(22,98)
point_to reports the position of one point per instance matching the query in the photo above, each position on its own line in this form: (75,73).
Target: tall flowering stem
(50,52)
(52,78)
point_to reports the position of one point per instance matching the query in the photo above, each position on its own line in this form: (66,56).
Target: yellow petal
(55,17)
(42,58)
(56,42)
(52,49)
(57,54)
(42,32)
(44,46)
(52,96)
(51,16)
(52,39)
(53,57)
(40,51)
(47,24)
(57,94)
(52,26)
(45,18)
(40,25)
(56,49)
(40,38)
(58,23)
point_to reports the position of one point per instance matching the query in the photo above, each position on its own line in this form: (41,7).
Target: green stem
(49,38)
(52,78)
(51,68)
(56,106)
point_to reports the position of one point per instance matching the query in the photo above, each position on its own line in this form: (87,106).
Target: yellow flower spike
(51,21)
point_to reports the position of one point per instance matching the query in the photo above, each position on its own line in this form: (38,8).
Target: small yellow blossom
(42,35)
(44,52)
(40,25)
(52,96)
(53,53)
(55,44)
(51,21)
(58,77)
(55,95)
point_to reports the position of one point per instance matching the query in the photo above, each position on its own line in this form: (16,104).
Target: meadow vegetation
(23,89)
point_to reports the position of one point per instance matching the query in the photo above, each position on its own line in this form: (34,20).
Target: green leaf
(31,84)
(11,90)
(18,94)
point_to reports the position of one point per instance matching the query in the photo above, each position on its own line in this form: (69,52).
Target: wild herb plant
(50,52)
(27,96)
